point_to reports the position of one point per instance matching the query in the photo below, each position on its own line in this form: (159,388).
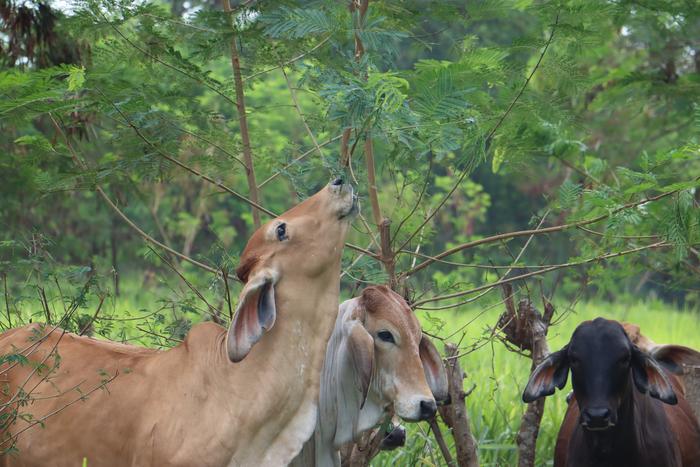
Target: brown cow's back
(133,376)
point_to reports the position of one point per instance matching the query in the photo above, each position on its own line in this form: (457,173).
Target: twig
(243,119)
(301,113)
(94,317)
(536,273)
(522,233)
(290,61)
(7,300)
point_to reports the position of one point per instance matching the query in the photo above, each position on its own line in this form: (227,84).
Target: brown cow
(626,411)
(211,401)
(377,359)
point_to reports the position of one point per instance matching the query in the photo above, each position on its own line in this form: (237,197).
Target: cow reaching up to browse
(628,409)
(377,358)
(246,396)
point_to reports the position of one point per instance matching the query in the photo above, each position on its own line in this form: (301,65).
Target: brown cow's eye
(386,336)
(282,232)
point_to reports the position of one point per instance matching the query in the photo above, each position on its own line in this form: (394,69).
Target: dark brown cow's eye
(282,232)
(386,336)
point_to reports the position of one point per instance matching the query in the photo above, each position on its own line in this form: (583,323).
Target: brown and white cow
(246,396)
(627,410)
(377,359)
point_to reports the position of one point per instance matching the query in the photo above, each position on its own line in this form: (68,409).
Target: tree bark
(455,413)
(526,329)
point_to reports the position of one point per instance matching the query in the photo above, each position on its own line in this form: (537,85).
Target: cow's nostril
(338,181)
(427,409)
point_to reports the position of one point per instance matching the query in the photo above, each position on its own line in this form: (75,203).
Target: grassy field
(499,377)
(142,314)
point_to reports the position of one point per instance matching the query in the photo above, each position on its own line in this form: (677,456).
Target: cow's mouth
(596,427)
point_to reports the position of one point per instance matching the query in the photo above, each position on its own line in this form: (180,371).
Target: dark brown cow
(626,411)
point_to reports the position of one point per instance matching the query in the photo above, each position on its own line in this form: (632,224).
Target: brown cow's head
(604,365)
(394,359)
(300,248)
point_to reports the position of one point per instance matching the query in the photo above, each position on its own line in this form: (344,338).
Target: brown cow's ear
(649,376)
(552,372)
(673,357)
(361,346)
(255,314)
(434,370)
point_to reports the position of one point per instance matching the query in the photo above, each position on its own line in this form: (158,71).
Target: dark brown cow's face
(288,260)
(604,365)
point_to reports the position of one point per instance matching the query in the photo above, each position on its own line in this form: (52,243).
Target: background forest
(549,145)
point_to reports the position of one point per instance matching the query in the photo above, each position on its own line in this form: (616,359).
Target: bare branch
(537,273)
(243,121)
(522,233)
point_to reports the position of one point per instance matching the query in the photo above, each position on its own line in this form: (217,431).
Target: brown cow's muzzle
(348,205)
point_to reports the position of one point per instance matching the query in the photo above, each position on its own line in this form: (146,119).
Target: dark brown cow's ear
(361,347)
(255,315)
(551,373)
(435,374)
(673,357)
(649,376)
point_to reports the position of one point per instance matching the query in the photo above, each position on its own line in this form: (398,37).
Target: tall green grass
(499,376)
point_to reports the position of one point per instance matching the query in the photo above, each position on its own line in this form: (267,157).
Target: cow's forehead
(384,303)
(600,331)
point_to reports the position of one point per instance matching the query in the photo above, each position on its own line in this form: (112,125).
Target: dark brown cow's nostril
(427,409)
(338,181)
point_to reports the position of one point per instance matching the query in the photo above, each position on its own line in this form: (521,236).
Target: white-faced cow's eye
(386,336)
(282,232)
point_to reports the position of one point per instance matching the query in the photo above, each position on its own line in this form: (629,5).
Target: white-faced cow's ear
(649,376)
(434,370)
(673,357)
(255,314)
(551,373)
(361,349)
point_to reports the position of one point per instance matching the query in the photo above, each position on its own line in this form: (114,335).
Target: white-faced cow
(246,396)
(626,411)
(377,359)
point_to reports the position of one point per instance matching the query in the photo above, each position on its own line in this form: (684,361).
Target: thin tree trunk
(243,119)
(455,413)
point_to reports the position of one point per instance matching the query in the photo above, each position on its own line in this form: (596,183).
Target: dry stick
(455,413)
(224,275)
(488,138)
(542,271)
(441,442)
(243,120)
(522,233)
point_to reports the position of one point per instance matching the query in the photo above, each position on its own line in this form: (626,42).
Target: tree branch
(661,244)
(243,120)
(522,233)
